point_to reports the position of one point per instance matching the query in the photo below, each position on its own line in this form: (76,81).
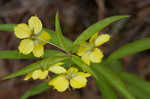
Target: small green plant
(76,61)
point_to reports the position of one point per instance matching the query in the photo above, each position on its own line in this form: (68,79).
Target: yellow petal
(72,70)
(103,38)
(86,58)
(93,38)
(96,56)
(38,50)
(22,31)
(57,69)
(39,74)
(78,82)
(84,74)
(60,83)
(83,49)
(26,46)
(28,76)
(59,64)
(44,37)
(35,24)
(43,75)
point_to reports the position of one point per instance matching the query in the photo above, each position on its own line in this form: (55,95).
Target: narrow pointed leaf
(59,34)
(105,89)
(113,79)
(45,63)
(36,90)
(140,94)
(130,48)
(14,54)
(85,35)
(116,66)
(136,81)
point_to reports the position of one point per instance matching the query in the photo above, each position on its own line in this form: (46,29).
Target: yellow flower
(72,76)
(42,74)
(37,74)
(90,52)
(34,38)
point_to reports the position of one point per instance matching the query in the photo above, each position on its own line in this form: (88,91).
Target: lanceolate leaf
(85,35)
(7,27)
(106,90)
(112,79)
(36,90)
(140,94)
(136,81)
(129,49)
(59,34)
(45,63)
(14,54)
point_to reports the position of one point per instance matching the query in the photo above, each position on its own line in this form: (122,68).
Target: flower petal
(38,50)
(59,64)
(44,37)
(28,76)
(39,74)
(84,74)
(93,38)
(43,75)
(103,38)
(22,31)
(86,58)
(78,82)
(60,83)
(72,70)
(57,69)
(26,46)
(35,24)
(83,49)
(96,56)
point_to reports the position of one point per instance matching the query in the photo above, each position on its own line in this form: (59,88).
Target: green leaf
(129,49)
(113,79)
(116,66)
(135,81)
(36,90)
(140,94)
(106,90)
(53,40)
(7,27)
(85,35)
(59,34)
(14,54)
(43,64)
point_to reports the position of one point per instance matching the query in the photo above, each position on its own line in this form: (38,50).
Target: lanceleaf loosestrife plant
(77,61)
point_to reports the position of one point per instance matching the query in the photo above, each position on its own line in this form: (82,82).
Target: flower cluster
(71,76)
(90,52)
(34,38)
(61,82)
